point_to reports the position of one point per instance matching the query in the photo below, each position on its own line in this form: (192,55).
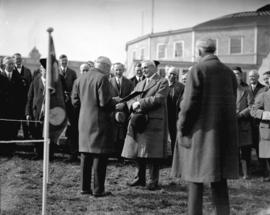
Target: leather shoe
(136,183)
(86,192)
(103,194)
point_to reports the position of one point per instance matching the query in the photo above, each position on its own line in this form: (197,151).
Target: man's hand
(120,106)
(136,106)
(266,115)
(116,99)
(184,141)
(28,117)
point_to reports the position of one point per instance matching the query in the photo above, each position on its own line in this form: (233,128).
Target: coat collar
(152,83)
(209,57)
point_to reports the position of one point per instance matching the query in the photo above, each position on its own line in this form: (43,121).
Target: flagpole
(46,129)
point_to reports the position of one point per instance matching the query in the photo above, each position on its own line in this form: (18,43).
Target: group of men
(22,98)
(110,115)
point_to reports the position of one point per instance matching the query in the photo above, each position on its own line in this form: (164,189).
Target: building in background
(242,39)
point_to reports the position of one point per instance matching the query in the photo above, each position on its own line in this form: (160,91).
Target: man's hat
(120,117)
(156,63)
(138,121)
(43,62)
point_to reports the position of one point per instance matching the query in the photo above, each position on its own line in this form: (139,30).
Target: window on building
(161,51)
(142,54)
(134,55)
(178,49)
(236,45)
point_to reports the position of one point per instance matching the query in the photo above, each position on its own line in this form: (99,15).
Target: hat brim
(43,62)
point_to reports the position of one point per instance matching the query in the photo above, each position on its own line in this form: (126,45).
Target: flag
(57,112)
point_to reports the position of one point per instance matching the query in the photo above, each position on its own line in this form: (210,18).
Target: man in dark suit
(93,95)
(13,101)
(69,76)
(35,109)
(208,130)
(256,88)
(173,103)
(138,74)
(26,77)
(148,146)
(121,87)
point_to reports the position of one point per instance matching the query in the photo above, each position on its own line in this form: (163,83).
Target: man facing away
(148,110)
(208,130)
(92,94)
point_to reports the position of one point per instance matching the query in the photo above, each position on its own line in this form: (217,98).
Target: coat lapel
(240,94)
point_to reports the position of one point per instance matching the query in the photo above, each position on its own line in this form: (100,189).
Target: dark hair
(17,55)
(62,56)
(237,68)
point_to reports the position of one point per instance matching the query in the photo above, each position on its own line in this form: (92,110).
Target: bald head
(206,46)
(172,74)
(253,76)
(103,64)
(84,68)
(148,68)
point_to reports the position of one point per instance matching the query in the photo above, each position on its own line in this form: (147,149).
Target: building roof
(258,17)
(158,34)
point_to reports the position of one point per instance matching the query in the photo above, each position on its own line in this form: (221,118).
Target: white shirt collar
(8,73)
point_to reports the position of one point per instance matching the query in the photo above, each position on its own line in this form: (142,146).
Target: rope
(22,141)
(21,120)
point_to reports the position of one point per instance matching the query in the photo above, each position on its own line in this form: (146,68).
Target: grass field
(21,192)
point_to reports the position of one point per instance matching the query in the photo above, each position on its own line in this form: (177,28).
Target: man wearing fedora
(146,138)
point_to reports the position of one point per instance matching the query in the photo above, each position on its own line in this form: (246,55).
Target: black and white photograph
(124,107)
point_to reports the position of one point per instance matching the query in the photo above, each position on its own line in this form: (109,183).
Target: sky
(86,29)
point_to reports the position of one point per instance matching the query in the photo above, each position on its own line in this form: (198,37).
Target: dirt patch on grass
(21,192)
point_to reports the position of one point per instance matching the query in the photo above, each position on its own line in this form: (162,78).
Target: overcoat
(35,99)
(152,142)
(262,103)
(92,93)
(243,104)
(207,126)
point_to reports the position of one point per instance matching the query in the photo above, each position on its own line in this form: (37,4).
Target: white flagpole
(46,130)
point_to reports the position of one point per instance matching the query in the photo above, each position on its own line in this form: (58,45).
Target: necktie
(118,84)
(9,76)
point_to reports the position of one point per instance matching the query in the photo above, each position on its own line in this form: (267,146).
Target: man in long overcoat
(92,94)
(208,130)
(148,145)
